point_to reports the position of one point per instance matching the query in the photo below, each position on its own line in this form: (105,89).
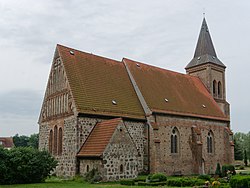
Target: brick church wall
(162,160)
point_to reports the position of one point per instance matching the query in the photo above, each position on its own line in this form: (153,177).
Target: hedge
(185,182)
(127,182)
(240,181)
(152,183)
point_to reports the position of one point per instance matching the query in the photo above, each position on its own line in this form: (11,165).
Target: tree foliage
(242,141)
(238,154)
(218,170)
(26,141)
(25,165)
(245,158)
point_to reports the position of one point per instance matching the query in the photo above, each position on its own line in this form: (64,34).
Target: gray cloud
(20,102)
(163,33)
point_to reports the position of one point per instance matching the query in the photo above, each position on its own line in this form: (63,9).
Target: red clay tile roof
(7,142)
(95,81)
(186,94)
(99,138)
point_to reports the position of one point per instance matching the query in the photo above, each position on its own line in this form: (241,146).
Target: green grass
(70,184)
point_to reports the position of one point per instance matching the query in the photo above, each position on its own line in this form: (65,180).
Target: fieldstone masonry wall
(44,136)
(136,131)
(87,165)
(120,158)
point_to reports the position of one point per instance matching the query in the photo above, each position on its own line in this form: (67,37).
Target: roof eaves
(191,115)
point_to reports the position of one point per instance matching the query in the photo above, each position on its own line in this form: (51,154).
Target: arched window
(215,88)
(55,141)
(210,142)
(121,169)
(219,89)
(60,142)
(174,141)
(50,141)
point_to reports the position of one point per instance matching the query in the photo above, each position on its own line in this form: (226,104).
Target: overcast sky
(160,32)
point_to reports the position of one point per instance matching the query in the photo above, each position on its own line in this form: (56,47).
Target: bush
(158,177)
(140,178)
(151,183)
(93,176)
(25,165)
(127,182)
(241,167)
(204,177)
(228,169)
(240,181)
(185,182)
(218,170)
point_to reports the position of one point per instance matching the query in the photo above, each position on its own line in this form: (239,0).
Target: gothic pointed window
(60,141)
(219,90)
(214,88)
(210,141)
(50,141)
(174,141)
(55,141)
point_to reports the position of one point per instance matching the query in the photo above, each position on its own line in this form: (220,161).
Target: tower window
(174,141)
(214,88)
(219,90)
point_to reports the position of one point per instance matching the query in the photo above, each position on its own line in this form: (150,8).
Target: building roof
(6,142)
(204,52)
(99,138)
(102,86)
(97,81)
(173,93)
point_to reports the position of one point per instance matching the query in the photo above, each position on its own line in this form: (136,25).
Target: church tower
(206,65)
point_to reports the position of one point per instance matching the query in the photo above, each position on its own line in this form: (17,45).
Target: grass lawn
(70,184)
(58,183)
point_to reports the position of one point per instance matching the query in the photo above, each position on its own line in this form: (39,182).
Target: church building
(126,117)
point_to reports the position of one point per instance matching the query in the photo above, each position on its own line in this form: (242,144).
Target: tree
(26,141)
(25,165)
(245,157)
(218,170)
(238,154)
(243,141)
(20,141)
(33,141)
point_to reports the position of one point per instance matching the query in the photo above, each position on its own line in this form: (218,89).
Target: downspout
(144,105)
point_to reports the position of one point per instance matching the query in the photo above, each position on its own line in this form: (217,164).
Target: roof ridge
(160,68)
(89,53)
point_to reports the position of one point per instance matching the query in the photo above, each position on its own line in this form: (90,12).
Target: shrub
(93,176)
(151,183)
(184,182)
(218,170)
(228,169)
(204,177)
(127,182)
(25,165)
(240,181)
(241,167)
(158,177)
(140,178)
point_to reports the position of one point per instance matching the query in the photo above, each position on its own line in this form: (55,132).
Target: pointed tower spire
(204,44)
(204,52)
